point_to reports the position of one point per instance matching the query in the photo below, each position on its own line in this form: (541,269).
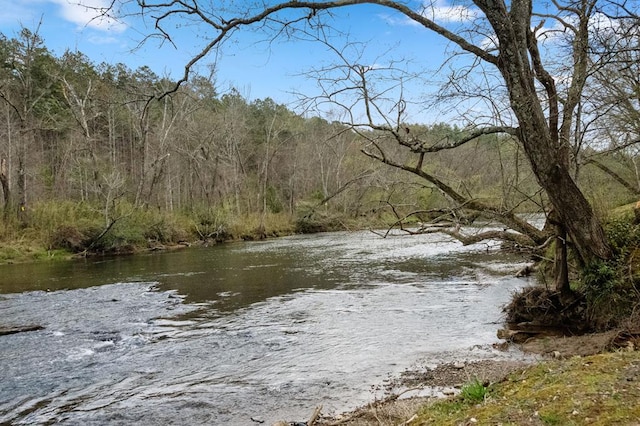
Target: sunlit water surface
(264,330)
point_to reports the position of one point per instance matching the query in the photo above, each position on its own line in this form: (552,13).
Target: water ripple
(267,330)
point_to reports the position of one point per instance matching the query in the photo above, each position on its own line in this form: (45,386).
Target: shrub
(213,223)
(69,238)
(611,287)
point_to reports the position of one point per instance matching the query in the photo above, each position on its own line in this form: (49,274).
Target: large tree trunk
(576,214)
(540,137)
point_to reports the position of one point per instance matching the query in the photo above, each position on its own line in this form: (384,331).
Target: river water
(264,330)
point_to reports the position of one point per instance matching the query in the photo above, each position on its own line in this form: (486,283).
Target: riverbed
(259,330)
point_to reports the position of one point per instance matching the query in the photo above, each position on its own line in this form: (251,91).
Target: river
(264,330)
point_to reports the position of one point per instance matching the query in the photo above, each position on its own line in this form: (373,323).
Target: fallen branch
(5,330)
(408,422)
(314,416)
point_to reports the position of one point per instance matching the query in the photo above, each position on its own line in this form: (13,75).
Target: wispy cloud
(96,39)
(442,12)
(439,11)
(90,14)
(18,11)
(400,21)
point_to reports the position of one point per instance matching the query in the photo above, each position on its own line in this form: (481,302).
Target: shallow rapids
(264,330)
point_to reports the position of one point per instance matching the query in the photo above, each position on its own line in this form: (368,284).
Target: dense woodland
(101,157)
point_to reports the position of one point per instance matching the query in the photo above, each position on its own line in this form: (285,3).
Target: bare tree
(615,99)
(27,90)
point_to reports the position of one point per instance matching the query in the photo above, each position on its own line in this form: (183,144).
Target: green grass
(473,392)
(597,390)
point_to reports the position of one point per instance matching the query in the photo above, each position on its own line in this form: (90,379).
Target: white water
(266,330)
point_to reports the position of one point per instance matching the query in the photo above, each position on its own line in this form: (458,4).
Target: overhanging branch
(424,148)
(507,218)
(224,27)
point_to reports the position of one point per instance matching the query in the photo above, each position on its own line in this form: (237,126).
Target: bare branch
(631,188)
(340,190)
(466,240)
(547,81)
(422,147)
(507,218)
(225,28)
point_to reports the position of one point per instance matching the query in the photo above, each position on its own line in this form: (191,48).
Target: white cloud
(438,11)
(442,12)
(90,14)
(489,43)
(557,31)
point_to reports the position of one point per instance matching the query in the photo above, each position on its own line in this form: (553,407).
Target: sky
(257,69)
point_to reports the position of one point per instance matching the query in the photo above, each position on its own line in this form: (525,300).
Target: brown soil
(568,346)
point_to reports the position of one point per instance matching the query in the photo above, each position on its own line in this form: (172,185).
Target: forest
(100,158)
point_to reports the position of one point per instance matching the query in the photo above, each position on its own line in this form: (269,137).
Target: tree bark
(540,138)
(4,182)
(562,284)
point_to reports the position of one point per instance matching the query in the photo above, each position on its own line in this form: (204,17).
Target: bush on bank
(606,293)
(612,288)
(61,229)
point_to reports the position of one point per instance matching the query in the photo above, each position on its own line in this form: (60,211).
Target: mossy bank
(600,389)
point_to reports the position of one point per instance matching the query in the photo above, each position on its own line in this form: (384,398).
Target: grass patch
(597,390)
(248,227)
(551,418)
(26,250)
(473,392)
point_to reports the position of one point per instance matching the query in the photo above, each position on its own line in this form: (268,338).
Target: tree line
(74,130)
(122,140)
(97,134)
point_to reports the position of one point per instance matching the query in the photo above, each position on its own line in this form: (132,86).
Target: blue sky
(257,70)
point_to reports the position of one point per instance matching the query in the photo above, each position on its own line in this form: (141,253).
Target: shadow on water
(231,275)
(218,335)
(246,273)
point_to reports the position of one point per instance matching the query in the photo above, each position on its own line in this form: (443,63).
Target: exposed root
(541,311)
